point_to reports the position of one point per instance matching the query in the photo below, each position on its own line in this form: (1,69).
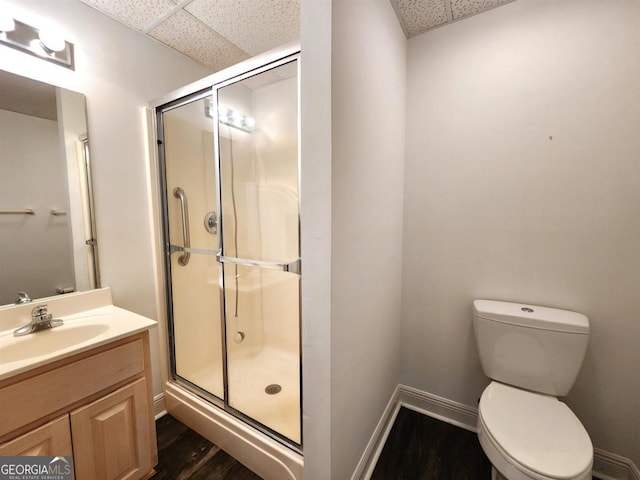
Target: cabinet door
(111,437)
(51,440)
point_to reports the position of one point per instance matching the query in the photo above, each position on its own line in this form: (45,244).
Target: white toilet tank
(535,348)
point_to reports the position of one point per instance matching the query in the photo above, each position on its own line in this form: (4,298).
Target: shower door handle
(186,239)
(292,267)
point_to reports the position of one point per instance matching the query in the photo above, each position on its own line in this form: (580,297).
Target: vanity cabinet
(106,442)
(53,438)
(95,406)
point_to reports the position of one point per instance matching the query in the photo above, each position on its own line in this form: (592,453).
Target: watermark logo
(36,468)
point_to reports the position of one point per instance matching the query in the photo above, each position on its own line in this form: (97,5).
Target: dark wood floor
(423,448)
(185,455)
(418,448)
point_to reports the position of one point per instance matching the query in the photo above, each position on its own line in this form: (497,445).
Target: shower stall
(229,186)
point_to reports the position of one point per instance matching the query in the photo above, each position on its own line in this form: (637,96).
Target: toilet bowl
(529,436)
(532,355)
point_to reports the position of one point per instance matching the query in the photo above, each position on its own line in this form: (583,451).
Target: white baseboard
(159,407)
(369,458)
(606,465)
(609,466)
(438,407)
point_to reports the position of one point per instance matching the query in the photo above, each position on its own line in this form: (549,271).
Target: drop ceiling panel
(219,33)
(188,35)
(421,15)
(137,14)
(464,8)
(254,26)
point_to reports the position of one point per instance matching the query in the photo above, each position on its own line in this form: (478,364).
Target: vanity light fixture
(229,117)
(44,44)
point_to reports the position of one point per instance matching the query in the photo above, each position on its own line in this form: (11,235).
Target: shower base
(251,371)
(268,458)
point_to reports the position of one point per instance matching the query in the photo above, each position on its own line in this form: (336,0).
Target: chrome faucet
(41,319)
(23,297)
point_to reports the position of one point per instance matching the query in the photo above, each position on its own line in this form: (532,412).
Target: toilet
(532,356)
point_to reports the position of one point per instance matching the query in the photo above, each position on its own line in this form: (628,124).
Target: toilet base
(496,475)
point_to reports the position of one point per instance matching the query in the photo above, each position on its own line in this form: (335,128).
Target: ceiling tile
(464,8)
(136,14)
(254,26)
(421,15)
(186,34)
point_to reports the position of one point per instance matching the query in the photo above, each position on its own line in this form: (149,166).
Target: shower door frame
(209,87)
(167,252)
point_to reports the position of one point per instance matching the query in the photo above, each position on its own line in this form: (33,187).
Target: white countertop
(83,330)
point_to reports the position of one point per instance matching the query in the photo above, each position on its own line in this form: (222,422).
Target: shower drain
(273,389)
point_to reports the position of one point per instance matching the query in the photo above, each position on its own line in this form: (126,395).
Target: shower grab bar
(200,251)
(57,213)
(25,211)
(292,267)
(186,239)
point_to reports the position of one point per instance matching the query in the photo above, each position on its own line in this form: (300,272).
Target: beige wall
(523,184)
(119,71)
(315,235)
(368,102)
(351,225)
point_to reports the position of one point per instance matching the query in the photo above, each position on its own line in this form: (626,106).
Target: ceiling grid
(220,33)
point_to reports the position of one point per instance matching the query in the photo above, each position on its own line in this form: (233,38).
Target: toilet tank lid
(532,316)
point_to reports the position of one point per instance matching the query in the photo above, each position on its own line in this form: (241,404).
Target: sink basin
(46,342)
(90,322)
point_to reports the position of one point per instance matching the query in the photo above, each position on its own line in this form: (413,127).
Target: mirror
(48,244)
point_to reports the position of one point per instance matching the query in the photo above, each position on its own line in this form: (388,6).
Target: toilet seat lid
(538,431)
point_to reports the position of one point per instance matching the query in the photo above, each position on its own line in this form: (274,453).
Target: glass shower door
(258,161)
(195,275)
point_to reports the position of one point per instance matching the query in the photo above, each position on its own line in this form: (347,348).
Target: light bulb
(7,24)
(51,41)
